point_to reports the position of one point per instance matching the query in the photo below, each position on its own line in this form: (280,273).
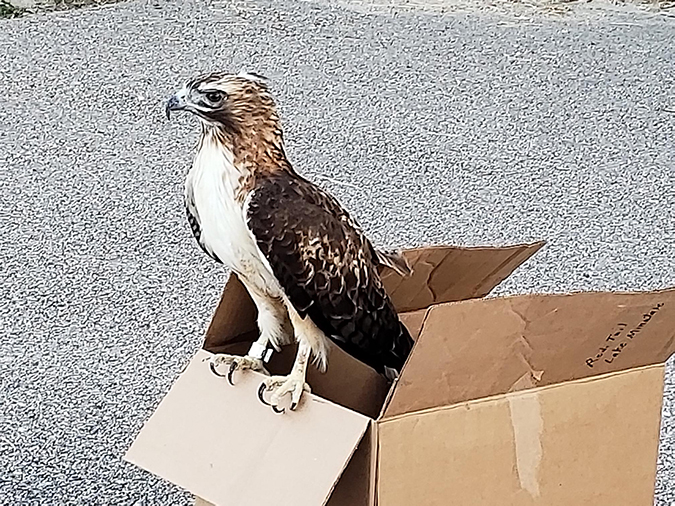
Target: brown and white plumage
(309,268)
(328,269)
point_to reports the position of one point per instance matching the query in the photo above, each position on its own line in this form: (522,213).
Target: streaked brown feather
(328,268)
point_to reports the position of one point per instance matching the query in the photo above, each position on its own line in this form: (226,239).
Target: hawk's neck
(247,156)
(259,150)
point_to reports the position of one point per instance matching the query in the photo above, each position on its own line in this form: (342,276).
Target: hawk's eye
(214,96)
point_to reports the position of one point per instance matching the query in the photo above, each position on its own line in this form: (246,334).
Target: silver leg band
(260,352)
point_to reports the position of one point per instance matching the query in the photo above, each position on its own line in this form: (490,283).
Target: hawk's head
(235,103)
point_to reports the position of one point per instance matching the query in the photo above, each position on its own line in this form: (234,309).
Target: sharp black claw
(278,411)
(261,391)
(293,406)
(214,370)
(233,367)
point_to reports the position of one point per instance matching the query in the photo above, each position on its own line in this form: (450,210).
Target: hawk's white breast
(213,182)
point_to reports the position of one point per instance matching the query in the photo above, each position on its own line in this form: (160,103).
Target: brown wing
(328,269)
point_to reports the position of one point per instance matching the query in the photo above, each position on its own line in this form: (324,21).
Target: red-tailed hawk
(308,267)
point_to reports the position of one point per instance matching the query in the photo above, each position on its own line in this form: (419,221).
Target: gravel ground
(466,128)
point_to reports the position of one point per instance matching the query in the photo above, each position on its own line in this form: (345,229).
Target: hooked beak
(175,103)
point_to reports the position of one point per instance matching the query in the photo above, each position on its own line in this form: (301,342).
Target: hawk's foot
(279,386)
(234,363)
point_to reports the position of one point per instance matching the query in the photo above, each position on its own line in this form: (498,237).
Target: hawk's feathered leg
(311,341)
(275,330)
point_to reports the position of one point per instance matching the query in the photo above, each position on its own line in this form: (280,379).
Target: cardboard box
(528,400)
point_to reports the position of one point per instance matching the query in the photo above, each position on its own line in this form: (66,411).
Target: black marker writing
(617,342)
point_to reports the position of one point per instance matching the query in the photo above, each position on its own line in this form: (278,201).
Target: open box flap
(447,274)
(440,274)
(221,444)
(475,349)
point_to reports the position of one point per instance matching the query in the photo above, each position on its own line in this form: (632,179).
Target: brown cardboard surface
(354,486)
(234,319)
(590,441)
(223,445)
(481,348)
(413,321)
(350,383)
(446,273)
